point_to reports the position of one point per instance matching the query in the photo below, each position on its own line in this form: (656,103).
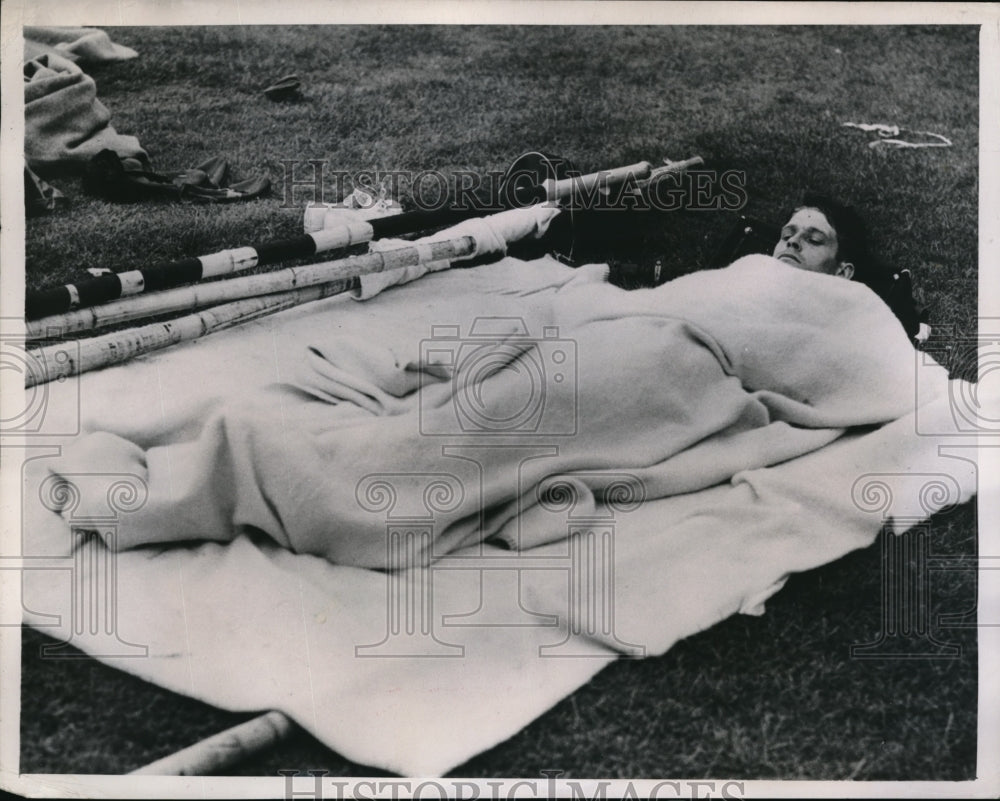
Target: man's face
(809,242)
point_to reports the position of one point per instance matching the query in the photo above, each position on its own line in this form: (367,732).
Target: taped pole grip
(410,222)
(289,287)
(40,303)
(106,288)
(188,298)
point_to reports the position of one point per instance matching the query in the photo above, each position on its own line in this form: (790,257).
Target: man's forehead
(810,219)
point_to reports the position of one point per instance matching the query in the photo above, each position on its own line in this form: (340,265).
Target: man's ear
(845,270)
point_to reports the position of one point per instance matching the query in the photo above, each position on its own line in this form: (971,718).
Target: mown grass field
(771,697)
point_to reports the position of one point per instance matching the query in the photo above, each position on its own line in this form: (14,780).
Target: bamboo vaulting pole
(198,296)
(288,288)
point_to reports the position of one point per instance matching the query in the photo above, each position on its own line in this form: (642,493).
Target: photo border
(253,12)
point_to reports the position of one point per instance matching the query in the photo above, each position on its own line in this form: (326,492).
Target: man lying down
(680,387)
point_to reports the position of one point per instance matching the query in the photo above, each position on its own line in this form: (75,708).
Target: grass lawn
(772,697)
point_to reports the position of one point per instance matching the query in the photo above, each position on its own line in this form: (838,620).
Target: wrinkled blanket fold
(247,624)
(683,386)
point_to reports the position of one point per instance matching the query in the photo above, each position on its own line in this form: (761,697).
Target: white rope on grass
(888,135)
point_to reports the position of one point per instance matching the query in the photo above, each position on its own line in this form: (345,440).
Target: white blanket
(434,665)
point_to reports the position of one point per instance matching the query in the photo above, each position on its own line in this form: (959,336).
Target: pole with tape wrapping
(287,288)
(104,288)
(109,287)
(76,300)
(197,296)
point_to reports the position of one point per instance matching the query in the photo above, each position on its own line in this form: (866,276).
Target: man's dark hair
(852,232)
(853,246)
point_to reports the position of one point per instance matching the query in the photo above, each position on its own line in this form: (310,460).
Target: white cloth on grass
(249,626)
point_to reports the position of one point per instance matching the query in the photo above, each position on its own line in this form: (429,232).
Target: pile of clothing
(67,129)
